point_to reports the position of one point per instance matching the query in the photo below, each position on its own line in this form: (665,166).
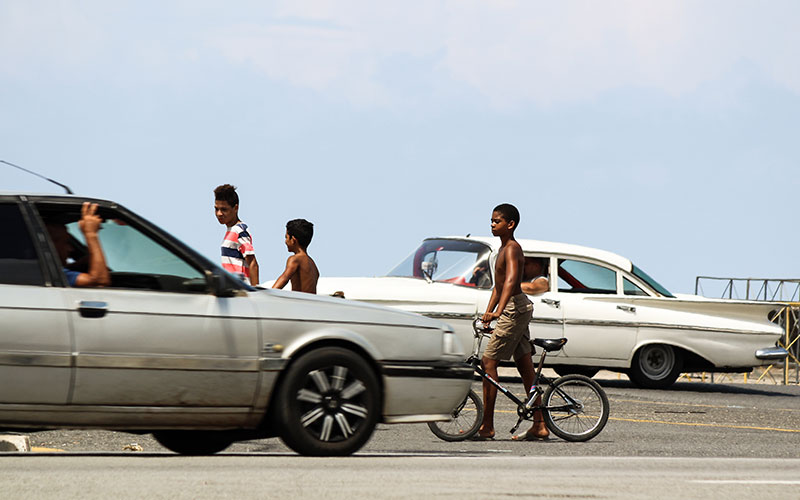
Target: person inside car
(481,277)
(534,276)
(89,224)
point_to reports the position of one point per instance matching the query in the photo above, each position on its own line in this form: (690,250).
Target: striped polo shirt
(235,247)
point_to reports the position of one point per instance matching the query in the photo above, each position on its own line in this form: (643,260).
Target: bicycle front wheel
(576,408)
(465,423)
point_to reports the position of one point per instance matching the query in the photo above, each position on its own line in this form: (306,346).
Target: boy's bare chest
(500,266)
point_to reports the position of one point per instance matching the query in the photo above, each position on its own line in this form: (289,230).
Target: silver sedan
(177,347)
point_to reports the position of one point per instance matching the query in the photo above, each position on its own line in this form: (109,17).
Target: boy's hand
(488,317)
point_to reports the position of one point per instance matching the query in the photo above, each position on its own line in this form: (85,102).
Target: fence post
(788,309)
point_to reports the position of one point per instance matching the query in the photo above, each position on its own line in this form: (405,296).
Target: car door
(156,337)
(548,315)
(597,328)
(34,332)
(547,321)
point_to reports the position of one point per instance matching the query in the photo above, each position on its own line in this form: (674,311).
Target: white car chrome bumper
(772,353)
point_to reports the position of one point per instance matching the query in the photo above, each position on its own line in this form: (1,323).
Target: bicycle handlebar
(479,328)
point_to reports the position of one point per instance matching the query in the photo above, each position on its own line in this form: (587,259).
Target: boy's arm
(248,252)
(252,264)
(511,282)
(487,318)
(291,268)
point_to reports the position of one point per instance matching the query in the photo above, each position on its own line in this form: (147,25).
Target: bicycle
(574,407)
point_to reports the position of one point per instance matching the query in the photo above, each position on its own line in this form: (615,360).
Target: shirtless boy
(513,311)
(300,267)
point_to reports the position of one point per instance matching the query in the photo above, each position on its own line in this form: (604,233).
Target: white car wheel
(655,366)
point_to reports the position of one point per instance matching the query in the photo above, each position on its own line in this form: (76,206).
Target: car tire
(328,403)
(586,371)
(193,442)
(656,366)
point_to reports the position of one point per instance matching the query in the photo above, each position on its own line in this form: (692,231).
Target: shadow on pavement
(702,387)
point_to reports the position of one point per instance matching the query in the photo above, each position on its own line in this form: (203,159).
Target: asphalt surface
(401,476)
(696,440)
(687,420)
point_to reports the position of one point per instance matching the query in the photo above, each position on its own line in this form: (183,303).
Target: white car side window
(630,288)
(576,276)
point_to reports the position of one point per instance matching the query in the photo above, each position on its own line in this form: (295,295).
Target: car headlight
(450,343)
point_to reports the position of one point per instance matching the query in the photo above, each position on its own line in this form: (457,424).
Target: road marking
(39,449)
(698,405)
(699,424)
(690,424)
(746,481)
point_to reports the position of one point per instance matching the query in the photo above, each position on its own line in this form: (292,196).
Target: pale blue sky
(666,132)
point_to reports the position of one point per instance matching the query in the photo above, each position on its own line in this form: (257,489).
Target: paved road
(689,420)
(694,441)
(368,475)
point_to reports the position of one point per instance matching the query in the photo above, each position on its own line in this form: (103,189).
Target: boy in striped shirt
(238,255)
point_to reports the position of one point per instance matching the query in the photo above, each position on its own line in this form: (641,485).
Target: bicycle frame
(525,409)
(573,394)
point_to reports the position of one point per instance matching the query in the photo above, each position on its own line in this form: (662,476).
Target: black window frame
(35,240)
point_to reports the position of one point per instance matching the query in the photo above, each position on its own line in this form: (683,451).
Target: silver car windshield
(459,262)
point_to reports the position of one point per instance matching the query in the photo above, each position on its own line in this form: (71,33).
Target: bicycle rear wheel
(465,423)
(576,408)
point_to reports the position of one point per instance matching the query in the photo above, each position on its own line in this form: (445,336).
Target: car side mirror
(428,269)
(217,285)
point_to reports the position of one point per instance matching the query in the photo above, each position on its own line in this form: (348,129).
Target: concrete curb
(14,443)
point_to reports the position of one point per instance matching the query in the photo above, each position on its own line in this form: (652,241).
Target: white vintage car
(615,316)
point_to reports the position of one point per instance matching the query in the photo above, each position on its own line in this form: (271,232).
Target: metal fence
(784,291)
(771,290)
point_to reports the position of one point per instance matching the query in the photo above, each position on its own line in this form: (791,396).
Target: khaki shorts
(511,335)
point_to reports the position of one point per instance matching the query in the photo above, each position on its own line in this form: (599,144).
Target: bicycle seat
(550,344)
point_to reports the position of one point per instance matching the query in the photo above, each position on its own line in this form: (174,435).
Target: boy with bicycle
(513,312)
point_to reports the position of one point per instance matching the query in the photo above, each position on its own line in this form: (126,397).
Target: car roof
(550,247)
(53,197)
(21,193)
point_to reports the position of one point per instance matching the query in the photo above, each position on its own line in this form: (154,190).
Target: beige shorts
(511,335)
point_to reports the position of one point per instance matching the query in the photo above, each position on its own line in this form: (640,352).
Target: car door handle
(552,302)
(630,309)
(92,309)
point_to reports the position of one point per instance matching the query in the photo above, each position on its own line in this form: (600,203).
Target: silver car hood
(271,303)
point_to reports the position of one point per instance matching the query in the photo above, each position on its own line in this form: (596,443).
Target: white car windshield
(459,262)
